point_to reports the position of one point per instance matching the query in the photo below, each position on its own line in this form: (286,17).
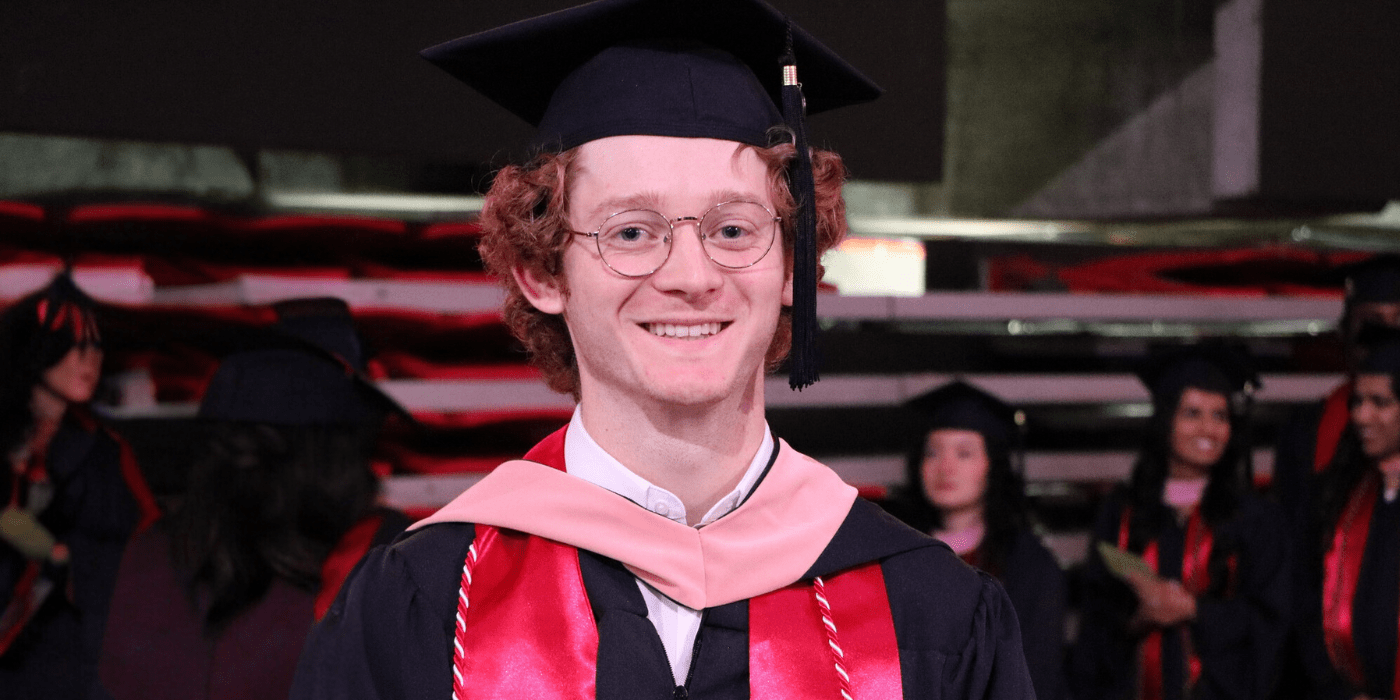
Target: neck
(1177,469)
(699,453)
(962,519)
(1390,472)
(48,409)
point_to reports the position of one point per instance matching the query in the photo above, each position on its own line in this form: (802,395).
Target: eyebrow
(651,200)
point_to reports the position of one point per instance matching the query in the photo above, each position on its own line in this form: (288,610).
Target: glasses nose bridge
(698,220)
(699,231)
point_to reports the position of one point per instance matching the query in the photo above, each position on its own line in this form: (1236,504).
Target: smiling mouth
(694,331)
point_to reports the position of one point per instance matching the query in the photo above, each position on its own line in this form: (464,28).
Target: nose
(687,270)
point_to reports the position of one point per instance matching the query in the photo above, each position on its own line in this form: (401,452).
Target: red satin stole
(792,651)
(1336,411)
(525,626)
(149,511)
(342,560)
(527,629)
(1340,575)
(1195,578)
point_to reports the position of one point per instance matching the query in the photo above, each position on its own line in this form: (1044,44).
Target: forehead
(954,436)
(1197,397)
(679,176)
(1374,384)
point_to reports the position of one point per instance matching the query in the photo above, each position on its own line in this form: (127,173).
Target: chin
(692,393)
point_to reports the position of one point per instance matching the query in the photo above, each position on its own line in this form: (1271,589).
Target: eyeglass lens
(734,234)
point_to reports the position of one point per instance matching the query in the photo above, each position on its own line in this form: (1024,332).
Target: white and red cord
(838,657)
(460,637)
(463,602)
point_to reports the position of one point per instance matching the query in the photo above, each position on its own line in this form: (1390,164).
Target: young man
(664,544)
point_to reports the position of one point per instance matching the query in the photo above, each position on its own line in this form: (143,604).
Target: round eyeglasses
(637,242)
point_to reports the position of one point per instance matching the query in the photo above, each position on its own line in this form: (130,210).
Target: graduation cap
(723,69)
(38,329)
(963,406)
(308,371)
(1214,367)
(1382,349)
(1375,279)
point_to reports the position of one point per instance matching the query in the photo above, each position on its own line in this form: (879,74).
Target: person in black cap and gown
(1202,610)
(217,599)
(963,488)
(659,256)
(1309,438)
(72,494)
(1350,597)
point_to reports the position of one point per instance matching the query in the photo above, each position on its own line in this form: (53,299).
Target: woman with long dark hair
(216,601)
(963,489)
(1351,590)
(1186,592)
(72,494)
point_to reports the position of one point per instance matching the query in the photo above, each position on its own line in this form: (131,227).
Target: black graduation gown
(1292,486)
(389,634)
(1375,610)
(1237,634)
(1036,586)
(93,512)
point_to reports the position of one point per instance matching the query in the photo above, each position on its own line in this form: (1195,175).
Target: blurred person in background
(217,599)
(1351,593)
(72,496)
(1187,590)
(963,489)
(1310,436)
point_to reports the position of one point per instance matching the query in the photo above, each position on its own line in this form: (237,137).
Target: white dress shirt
(676,624)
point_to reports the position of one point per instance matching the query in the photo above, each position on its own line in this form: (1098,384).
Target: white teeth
(671,330)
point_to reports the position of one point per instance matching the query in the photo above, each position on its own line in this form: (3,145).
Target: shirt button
(663,510)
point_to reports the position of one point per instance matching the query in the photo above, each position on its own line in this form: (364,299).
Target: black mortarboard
(1214,367)
(655,67)
(963,406)
(724,69)
(1382,348)
(309,371)
(1375,279)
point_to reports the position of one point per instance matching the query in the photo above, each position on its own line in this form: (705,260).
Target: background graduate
(658,258)
(963,488)
(1348,636)
(1309,440)
(217,599)
(1206,616)
(72,494)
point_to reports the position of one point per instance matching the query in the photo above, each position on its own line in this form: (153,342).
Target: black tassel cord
(804,360)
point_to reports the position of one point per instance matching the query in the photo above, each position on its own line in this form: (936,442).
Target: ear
(544,293)
(787,289)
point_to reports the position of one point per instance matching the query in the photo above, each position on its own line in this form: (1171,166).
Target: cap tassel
(804,360)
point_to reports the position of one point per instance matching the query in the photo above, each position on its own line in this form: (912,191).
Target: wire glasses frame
(735,234)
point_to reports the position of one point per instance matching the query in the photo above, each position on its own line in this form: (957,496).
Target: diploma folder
(1121,563)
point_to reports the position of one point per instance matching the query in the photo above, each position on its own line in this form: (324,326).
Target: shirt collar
(586,460)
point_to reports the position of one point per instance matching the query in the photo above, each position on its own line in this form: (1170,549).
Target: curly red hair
(524,226)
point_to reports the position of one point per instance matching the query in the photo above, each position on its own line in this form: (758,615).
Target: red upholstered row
(1250,272)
